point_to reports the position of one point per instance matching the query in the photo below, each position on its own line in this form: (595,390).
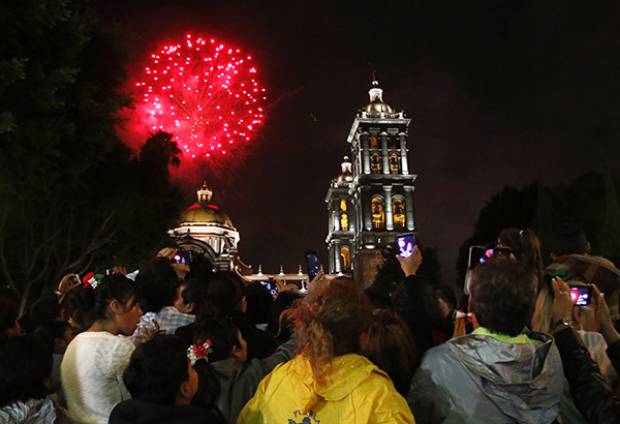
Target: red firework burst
(203,92)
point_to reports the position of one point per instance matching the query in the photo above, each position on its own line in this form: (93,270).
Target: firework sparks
(205,93)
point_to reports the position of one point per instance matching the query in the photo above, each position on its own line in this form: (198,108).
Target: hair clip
(90,280)
(199,351)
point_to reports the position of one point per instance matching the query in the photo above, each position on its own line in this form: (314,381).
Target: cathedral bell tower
(371,201)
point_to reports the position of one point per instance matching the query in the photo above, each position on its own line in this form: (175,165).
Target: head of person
(279,324)
(157,285)
(223,295)
(191,296)
(160,372)
(569,238)
(225,339)
(58,334)
(525,246)
(259,303)
(331,323)
(388,343)
(502,296)
(25,366)
(76,307)
(9,314)
(115,302)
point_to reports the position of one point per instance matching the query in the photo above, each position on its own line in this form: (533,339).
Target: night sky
(500,92)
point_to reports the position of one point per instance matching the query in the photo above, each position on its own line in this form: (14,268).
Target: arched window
(345,258)
(344,216)
(398,210)
(394,163)
(374,142)
(375,163)
(378,213)
(394,143)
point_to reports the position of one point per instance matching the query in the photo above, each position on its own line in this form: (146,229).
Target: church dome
(205,212)
(377,105)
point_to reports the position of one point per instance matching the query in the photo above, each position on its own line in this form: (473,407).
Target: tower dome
(376,105)
(204,211)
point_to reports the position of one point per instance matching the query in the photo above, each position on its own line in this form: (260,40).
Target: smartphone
(405,243)
(581,295)
(480,254)
(183,257)
(271,287)
(313,264)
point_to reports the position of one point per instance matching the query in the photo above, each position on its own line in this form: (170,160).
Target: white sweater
(92,375)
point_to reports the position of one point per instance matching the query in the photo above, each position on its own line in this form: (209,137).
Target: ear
(115,307)
(185,391)
(237,352)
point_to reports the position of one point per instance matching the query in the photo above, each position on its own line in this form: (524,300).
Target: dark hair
(157,369)
(391,347)
(259,303)
(525,245)
(567,239)
(77,305)
(200,268)
(112,287)
(195,292)
(224,335)
(279,325)
(157,285)
(25,364)
(224,292)
(45,309)
(9,310)
(503,293)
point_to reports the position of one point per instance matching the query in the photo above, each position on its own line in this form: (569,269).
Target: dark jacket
(239,380)
(592,396)
(139,412)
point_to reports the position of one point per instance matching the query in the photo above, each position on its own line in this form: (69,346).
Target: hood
(524,381)
(344,374)
(32,411)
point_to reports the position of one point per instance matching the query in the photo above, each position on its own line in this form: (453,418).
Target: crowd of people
(533,340)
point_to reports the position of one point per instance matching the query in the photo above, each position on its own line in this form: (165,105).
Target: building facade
(372,200)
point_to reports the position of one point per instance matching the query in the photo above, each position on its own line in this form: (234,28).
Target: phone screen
(581,295)
(313,264)
(183,257)
(406,243)
(271,287)
(480,254)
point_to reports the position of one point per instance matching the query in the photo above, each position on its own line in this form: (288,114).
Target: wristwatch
(563,323)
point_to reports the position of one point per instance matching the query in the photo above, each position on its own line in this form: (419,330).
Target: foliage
(72,196)
(590,201)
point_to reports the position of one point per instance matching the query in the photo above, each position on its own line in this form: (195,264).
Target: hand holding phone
(313,264)
(411,264)
(581,295)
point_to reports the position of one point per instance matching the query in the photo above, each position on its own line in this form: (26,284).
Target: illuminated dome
(204,211)
(376,105)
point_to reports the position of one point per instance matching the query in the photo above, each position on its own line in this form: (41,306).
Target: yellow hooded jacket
(355,391)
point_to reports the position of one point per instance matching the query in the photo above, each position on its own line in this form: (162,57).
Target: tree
(72,196)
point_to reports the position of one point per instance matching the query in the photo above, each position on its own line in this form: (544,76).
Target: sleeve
(389,407)
(427,400)
(413,302)
(613,353)
(592,396)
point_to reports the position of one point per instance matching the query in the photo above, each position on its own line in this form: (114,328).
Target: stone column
(409,206)
(365,153)
(364,208)
(404,167)
(337,268)
(384,153)
(389,219)
(336,221)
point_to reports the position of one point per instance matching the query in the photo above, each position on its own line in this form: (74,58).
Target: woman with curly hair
(328,381)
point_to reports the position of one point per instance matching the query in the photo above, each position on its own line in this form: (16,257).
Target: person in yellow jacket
(328,381)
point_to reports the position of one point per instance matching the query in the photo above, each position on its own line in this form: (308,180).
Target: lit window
(345,257)
(378,213)
(375,163)
(398,207)
(374,143)
(394,164)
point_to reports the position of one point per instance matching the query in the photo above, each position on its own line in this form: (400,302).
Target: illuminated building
(371,201)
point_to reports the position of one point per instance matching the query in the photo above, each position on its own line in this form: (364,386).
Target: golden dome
(205,212)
